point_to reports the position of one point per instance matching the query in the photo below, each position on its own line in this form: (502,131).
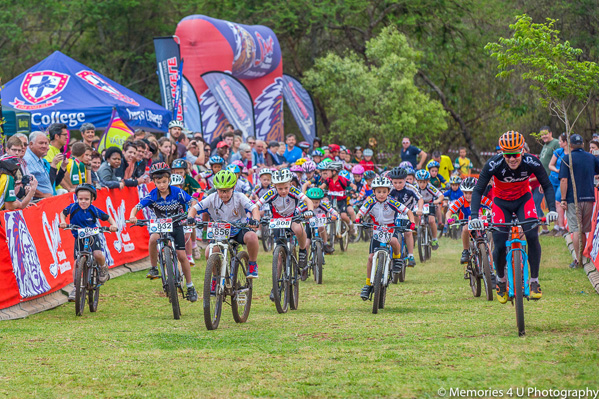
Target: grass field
(431,335)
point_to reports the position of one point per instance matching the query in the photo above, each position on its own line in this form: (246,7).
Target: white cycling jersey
(282,206)
(233,211)
(382,213)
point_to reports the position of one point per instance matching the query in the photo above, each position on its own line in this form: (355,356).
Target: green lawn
(432,334)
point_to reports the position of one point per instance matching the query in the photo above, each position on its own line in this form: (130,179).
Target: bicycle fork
(517,244)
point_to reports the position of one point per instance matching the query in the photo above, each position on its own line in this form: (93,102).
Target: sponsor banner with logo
(233,99)
(36,256)
(301,105)
(115,134)
(251,54)
(62,90)
(592,249)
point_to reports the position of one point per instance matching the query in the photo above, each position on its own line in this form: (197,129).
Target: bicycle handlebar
(102,229)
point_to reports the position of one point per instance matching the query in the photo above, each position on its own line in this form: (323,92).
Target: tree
(564,84)
(376,96)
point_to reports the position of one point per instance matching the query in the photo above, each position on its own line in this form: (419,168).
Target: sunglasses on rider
(516,155)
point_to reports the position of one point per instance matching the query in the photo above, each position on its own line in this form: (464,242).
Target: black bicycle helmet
(398,173)
(87,187)
(159,167)
(179,164)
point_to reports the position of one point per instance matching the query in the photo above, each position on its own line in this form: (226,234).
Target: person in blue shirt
(292,153)
(454,192)
(83,214)
(167,201)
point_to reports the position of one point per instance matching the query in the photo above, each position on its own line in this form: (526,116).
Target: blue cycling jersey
(174,204)
(453,195)
(84,217)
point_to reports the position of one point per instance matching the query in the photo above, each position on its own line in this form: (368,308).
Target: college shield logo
(100,84)
(39,88)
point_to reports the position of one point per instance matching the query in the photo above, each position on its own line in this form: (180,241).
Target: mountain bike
(401,277)
(518,285)
(226,275)
(316,259)
(424,235)
(381,272)
(338,230)
(285,269)
(480,263)
(87,269)
(172,279)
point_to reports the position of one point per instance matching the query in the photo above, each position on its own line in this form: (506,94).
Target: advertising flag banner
(115,134)
(301,105)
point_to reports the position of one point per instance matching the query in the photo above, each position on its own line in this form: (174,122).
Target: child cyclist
(438,182)
(321,209)
(338,184)
(309,168)
(228,205)
(410,197)
(167,201)
(216,164)
(178,181)
(318,177)
(432,197)
(462,207)
(180,167)
(83,214)
(264,184)
(383,210)
(284,202)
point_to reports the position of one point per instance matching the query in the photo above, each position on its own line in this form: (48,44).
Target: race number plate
(403,217)
(382,233)
(336,194)
(88,232)
(161,226)
(187,229)
(318,222)
(218,231)
(283,223)
(425,209)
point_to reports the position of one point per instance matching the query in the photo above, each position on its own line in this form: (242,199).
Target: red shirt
(368,165)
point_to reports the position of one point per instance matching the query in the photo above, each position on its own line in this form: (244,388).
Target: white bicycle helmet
(382,182)
(264,171)
(175,123)
(177,180)
(282,176)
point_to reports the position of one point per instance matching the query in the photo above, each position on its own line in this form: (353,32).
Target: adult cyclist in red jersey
(511,171)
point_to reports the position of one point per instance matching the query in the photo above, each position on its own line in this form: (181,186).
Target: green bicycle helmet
(224,179)
(315,193)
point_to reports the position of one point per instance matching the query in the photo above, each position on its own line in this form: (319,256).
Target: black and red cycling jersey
(338,186)
(512,184)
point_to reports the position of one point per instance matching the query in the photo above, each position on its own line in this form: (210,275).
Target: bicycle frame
(224,254)
(383,250)
(163,242)
(516,244)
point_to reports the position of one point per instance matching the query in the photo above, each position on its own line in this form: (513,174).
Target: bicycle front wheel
(421,244)
(318,262)
(280,280)
(475,273)
(344,241)
(294,280)
(171,282)
(428,239)
(518,291)
(213,296)
(379,261)
(266,238)
(241,298)
(81,279)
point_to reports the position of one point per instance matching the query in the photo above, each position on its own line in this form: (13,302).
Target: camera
(26,180)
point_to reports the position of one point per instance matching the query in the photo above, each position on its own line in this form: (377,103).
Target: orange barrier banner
(591,250)
(36,256)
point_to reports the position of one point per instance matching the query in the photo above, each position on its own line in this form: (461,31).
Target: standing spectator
(58,134)
(165,151)
(281,154)
(411,154)
(550,145)
(132,172)
(88,134)
(234,150)
(38,166)
(317,143)
(227,136)
(9,187)
(554,166)
(445,164)
(594,147)
(258,154)
(585,166)
(195,153)
(139,134)
(108,171)
(357,155)
(463,164)
(95,163)
(292,153)
(175,131)
(222,150)
(367,162)
(271,157)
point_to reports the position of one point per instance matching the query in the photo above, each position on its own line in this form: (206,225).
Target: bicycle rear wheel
(294,280)
(93,295)
(358,235)
(421,243)
(332,233)
(485,261)
(241,298)
(518,291)
(429,246)
(475,273)
(267,239)
(344,241)
(318,257)
(81,279)
(212,298)
(171,282)
(379,261)
(280,280)
(404,256)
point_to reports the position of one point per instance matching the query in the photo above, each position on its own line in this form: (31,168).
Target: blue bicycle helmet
(423,174)
(215,159)
(233,168)
(432,164)
(369,174)
(410,171)
(345,174)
